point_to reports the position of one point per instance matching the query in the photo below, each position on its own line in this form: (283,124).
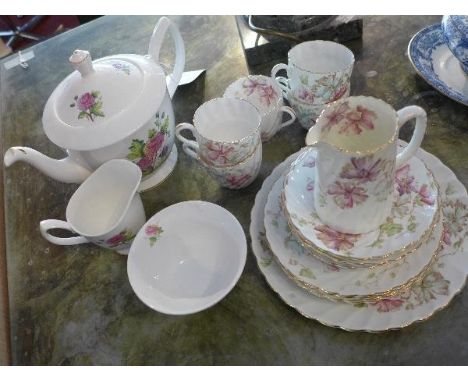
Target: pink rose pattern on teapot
(147,154)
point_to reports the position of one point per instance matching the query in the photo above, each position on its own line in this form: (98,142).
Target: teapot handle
(154,48)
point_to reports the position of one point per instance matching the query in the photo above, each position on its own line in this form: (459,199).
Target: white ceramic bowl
(187,257)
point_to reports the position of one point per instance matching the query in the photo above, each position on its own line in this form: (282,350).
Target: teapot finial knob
(81,61)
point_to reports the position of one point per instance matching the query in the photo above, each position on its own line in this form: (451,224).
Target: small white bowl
(187,257)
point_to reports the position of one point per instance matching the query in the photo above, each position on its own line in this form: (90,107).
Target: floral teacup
(105,210)
(318,72)
(264,93)
(307,113)
(356,140)
(239,175)
(226,130)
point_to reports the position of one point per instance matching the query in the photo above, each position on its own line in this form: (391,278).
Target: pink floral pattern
(335,116)
(358,120)
(266,92)
(389,304)
(405,182)
(89,105)
(424,195)
(353,120)
(347,194)
(153,232)
(338,93)
(327,88)
(334,239)
(219,153)
(363,169)
(446,235)
(146,153)
(124,237)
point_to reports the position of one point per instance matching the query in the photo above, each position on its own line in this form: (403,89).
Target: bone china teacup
(105,210)
(318,71)
(226,130)
(239,175)
(356,140)
(264,93)
(228,144)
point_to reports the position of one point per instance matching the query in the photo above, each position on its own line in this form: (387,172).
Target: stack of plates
(403,272)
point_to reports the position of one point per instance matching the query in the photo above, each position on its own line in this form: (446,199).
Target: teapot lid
(103,101)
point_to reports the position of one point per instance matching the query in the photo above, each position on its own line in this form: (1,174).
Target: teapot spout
(64,170)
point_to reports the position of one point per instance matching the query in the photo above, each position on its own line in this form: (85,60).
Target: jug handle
(154,49)
(404,115)
(46,225)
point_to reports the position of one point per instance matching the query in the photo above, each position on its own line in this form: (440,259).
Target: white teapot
(116,107)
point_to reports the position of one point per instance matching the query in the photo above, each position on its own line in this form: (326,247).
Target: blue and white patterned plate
(434,62)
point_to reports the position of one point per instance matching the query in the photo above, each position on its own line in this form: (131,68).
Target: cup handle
(46,225)
(404,115)
(288,110)
(190,147)
(282,82)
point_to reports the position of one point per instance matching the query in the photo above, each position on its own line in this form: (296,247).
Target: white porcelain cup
(228,144)
(318,72)
(264,93)
(226,131)
(105,210)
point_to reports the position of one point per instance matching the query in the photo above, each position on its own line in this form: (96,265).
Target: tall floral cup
(356,140)
(318,72)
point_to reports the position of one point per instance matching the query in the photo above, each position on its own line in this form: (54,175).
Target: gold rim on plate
(364,261)
(297,306)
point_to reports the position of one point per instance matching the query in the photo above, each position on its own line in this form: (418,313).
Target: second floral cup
(227,140)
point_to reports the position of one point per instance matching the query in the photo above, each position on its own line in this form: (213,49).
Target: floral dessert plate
(411,222)
(187,257)
(433,60)
(344,284)
(443,281)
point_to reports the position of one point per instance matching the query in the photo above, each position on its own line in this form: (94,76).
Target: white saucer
(187,257)
(161,173)
(446,278)
(433,60)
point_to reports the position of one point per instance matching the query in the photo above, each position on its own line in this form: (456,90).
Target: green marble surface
(74,305)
